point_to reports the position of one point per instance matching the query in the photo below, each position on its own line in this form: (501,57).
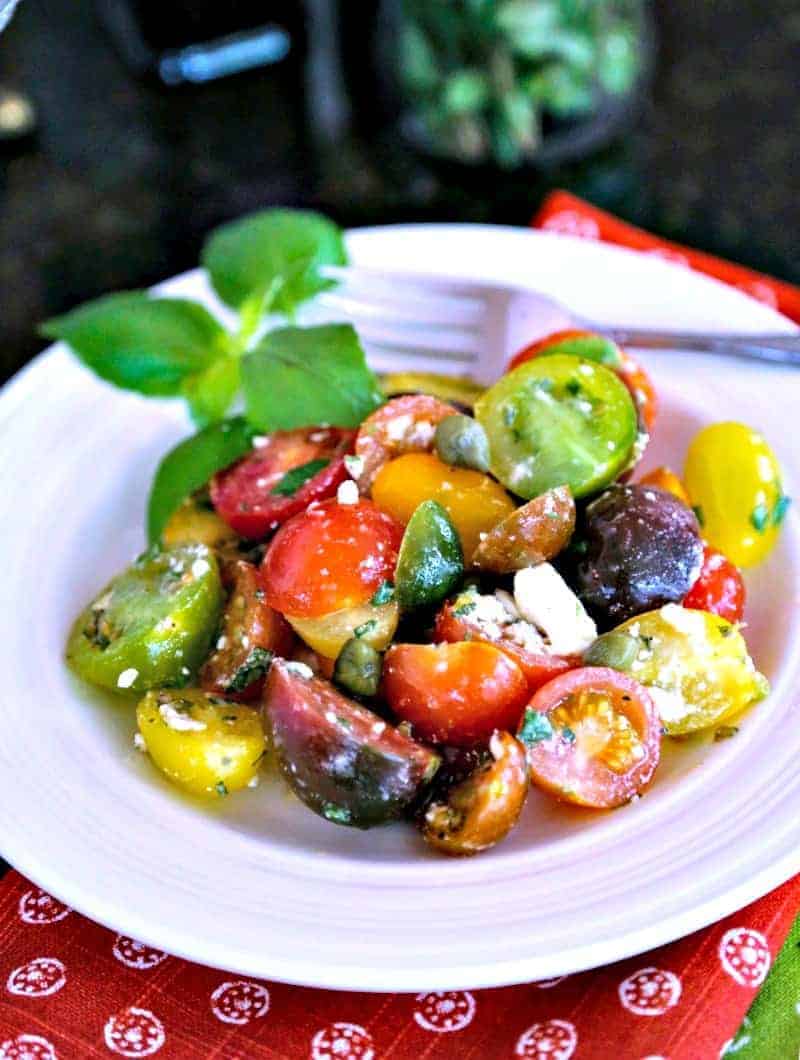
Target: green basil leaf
(190,465)
(308,377)
(297,477)
(211,392)
(275,252)
(141,343)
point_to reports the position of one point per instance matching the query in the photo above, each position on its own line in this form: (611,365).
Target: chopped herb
(780,509)
(464,608)
(573,387)
(229,717)
(759,517)
(535,727)
(260,595)
(698,511)
(646,640)
(568,735)
(344,722)
(297,477)
(253,668)
(725,732)
(365,628)
(221,788)
(383,594)
(337,814)
(726,630)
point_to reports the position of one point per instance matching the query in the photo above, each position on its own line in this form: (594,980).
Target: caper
(615,650)
(358,667)
(461,442)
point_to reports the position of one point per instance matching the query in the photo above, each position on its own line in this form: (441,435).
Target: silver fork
(409,321)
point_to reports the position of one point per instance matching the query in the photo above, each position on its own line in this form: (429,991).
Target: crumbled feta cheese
(185,671)
(102,602)
(690,623)
(378,727)
(200,567)
(178,721)
(299,669)
(354,465)
(138,742)
(253,782)
(259,440)
(127,677)
(347,492)
(397,428)
(222,643)
(544,599)
(671,706)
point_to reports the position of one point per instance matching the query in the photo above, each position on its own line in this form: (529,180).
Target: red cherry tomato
(329,557)
(719,588)
(630,371)
(538,667)
(405,424)
(455,694)
(593,737)
(243,494)
(252,632)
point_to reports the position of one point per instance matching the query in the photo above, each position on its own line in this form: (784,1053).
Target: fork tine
(432,312)
(388,360)
(409,282)
(464,345)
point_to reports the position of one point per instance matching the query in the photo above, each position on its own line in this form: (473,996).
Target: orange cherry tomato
(454,694)
(474,501)
(538,667)
(593,737)
(627,368)
(719,588)
(330,557)
(403,425)
(663,478)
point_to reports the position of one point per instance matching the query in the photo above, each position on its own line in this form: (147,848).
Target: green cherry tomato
(734,481)
(558,420)
(152,625)
(430,560)
(695,665)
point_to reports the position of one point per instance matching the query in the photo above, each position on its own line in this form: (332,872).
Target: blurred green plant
(485,78)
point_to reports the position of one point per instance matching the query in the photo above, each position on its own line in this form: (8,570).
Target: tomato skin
(248,624)
(575,770)
(455,694)
(734,480)
(538,668)
(630,371)
(330,557)
(403,425)
(242,494)
(719,588)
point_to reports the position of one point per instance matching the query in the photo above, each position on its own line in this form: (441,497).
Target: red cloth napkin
(70,989)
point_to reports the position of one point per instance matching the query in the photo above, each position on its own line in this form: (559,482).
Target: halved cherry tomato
(532,534)
(593,737)
(329,557)
(245,494)
(537,666)
(719,588)
(403,425)
(663,478)
(474,502)
(454,693)
(252,632)
(574,341)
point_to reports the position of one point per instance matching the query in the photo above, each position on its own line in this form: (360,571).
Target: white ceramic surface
(260,885)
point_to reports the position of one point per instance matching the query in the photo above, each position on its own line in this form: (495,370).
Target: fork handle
(775,348)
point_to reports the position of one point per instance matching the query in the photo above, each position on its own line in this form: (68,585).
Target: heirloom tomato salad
(469,593)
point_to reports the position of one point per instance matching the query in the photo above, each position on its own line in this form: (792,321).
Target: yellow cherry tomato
(663,478)
(192,523)
(205,744)
(696,666)
(474,501)
(374,623)
(734,481)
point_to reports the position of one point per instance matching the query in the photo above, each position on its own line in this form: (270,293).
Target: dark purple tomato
(638,548)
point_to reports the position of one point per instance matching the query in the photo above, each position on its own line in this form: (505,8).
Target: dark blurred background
(123,175)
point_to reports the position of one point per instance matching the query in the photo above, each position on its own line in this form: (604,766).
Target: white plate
(261,886)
